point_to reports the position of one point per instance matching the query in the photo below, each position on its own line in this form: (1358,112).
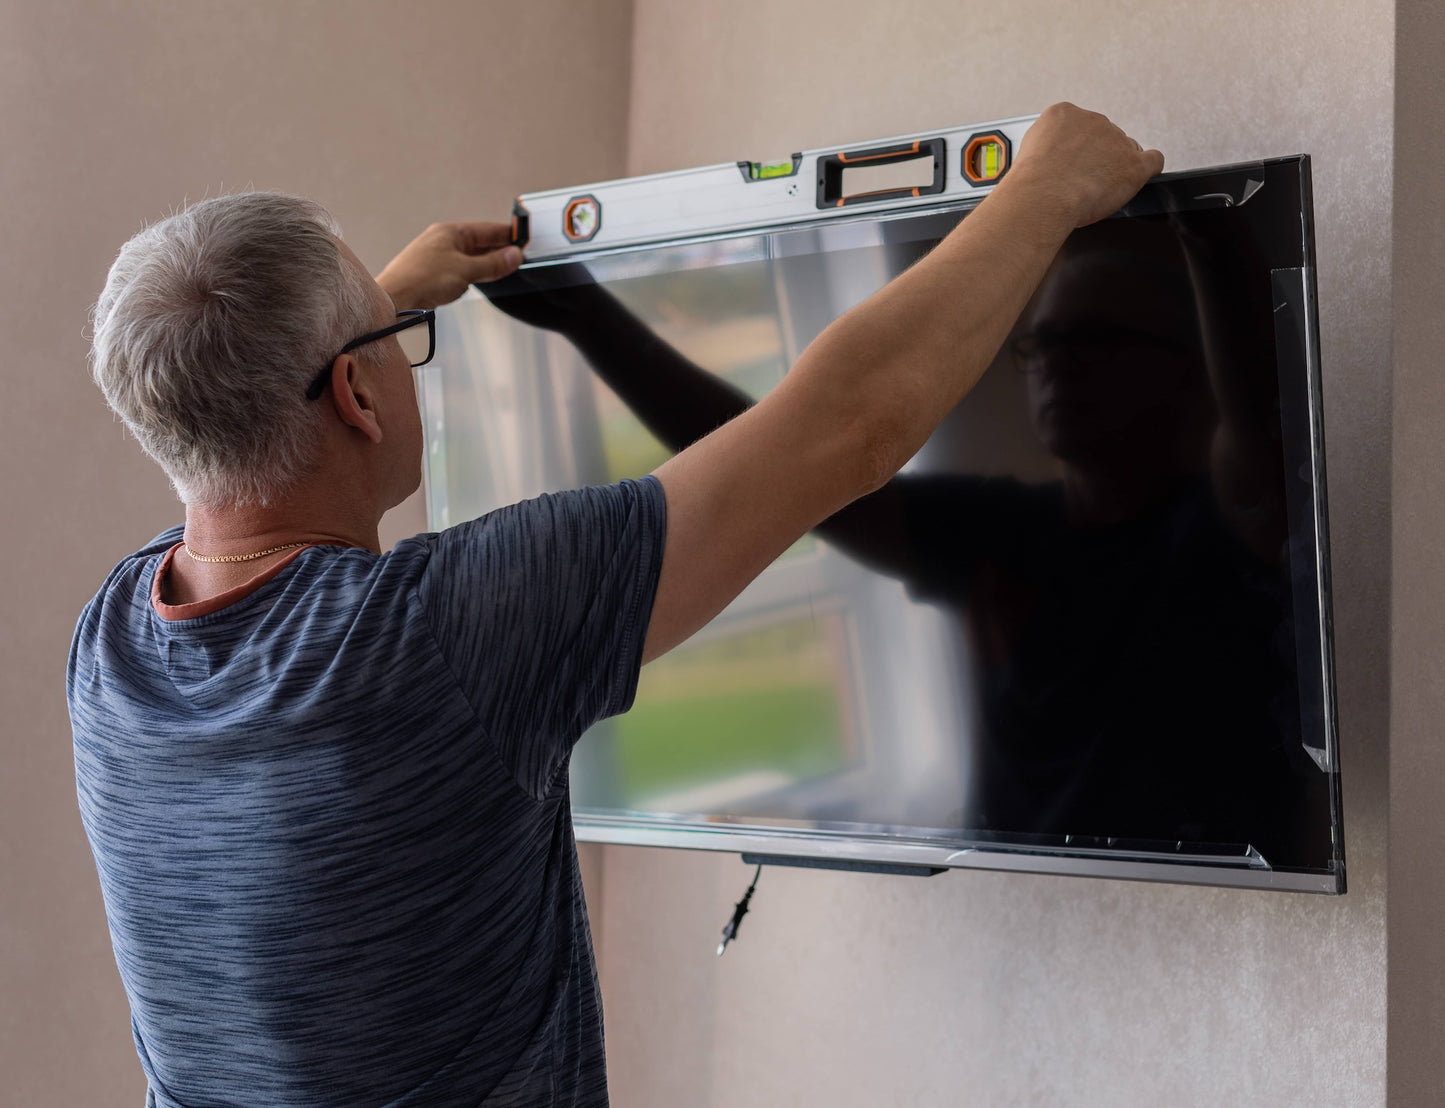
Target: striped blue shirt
(331,819)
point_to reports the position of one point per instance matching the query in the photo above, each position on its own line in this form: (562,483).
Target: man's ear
(352,393)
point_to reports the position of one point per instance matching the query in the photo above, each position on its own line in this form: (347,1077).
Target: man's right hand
(437,266)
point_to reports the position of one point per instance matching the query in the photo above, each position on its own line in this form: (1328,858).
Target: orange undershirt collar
(220,600)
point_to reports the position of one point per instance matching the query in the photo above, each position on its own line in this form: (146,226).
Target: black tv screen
(1085,630)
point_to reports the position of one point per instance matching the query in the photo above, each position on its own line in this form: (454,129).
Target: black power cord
(730,932)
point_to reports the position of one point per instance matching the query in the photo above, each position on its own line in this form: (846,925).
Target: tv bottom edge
(1212,864)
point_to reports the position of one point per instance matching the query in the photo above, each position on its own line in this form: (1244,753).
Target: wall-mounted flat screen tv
(1086,630)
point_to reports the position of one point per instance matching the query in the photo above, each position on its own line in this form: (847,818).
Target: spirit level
(906,171)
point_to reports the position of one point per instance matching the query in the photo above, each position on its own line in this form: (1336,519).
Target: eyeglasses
(418,346)
(1093,344)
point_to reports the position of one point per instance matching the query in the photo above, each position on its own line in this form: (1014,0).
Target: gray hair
(211,325)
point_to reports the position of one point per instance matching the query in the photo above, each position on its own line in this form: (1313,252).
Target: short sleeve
(541,610)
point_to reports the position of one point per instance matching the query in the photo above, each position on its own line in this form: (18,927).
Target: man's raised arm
(867,392)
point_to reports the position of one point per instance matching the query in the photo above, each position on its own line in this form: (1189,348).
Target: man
(326,788)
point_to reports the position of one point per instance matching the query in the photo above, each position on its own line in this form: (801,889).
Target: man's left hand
(437,266)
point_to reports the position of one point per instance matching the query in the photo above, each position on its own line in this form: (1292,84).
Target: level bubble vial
(986,158)
(582,218)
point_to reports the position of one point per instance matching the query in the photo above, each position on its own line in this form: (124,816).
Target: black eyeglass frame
(410,317)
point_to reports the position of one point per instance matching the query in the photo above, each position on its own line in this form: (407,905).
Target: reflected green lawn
(674,743)
(766,699)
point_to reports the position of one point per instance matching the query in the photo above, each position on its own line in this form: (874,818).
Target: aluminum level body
(729,197)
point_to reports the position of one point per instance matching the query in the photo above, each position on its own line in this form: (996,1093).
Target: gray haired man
(326,787)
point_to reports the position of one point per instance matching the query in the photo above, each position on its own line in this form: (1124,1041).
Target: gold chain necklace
(243,557)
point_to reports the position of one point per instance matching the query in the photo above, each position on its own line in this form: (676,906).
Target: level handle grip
(831,167)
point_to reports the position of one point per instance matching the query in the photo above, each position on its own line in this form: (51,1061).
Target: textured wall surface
(110,114)
(1417,643)
(1000,989)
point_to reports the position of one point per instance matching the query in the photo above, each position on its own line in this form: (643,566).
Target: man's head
(210,327)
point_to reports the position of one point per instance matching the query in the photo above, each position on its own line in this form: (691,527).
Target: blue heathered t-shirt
(331,819)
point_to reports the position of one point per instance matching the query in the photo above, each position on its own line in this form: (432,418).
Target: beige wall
(391,113)
(998,989)
(1417,641)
